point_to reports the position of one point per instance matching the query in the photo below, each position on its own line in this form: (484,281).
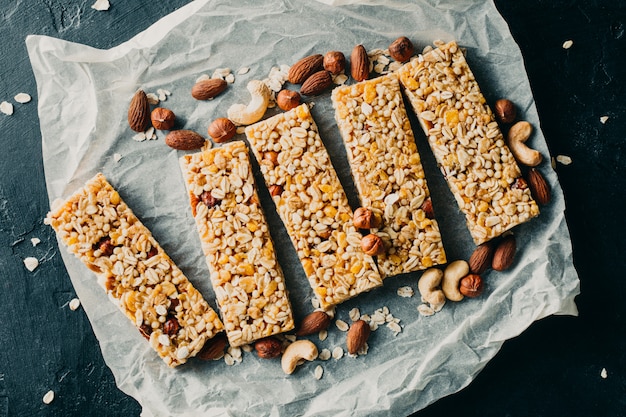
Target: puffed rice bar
(313,205)
(388,173)
(467,142)
(140,278)
(239,252)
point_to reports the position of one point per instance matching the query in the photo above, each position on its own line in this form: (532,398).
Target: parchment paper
(83,99)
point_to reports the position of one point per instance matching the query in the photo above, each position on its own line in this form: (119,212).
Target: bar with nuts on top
(388,173)
(247,279)
(102,231)
(313,205)
(467,142)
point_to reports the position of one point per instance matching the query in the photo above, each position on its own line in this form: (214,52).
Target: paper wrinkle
(83,97)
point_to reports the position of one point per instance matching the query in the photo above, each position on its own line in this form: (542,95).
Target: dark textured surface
(552,369)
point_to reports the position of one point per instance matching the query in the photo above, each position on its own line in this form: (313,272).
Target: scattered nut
(504,253)
(184,140)
(359,63)
(297,351)
(268,348)
(288,99)
(516,138)
(505,111)
(451,277)
(357,336)
(428,286)
(313,323)
(401,49)
(471,285)
(539,188)
(213,348)
(316,83)
(242,114)
(481,258)
(365,218)
(372,245)
(207,89)
(162,118)
(334,62)
(304,68)
(139,112)
(222,130)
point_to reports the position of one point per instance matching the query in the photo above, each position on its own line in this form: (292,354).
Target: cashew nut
(451,278)
(296,353)
(428,286)
(517,136)
(242,114)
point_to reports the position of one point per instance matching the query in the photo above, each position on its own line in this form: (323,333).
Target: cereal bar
(236,242)
(467,142)
(313,205)
(102,231)
(388,173)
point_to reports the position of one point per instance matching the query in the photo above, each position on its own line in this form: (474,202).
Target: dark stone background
(552,369)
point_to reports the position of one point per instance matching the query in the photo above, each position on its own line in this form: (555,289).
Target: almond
(359,63)
(313,323)
(357,336)
(304,68)
(213,348)
(139,112)
(481,258)
(268,348)
(504,253)
(539,188)
(207,89)
(317,83)
(184,140)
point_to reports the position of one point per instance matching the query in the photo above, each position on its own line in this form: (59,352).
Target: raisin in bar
(102,231)
(313,205)
(247,279)
(388,173)
(467,142)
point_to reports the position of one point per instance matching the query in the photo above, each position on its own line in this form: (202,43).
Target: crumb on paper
(604,119)
(568,44)
(406,292)
(140,137)
(603,373)
(48,397)
(117,157)
(230,78)
(163,94)
(354,314)
(22,98)
(101,5)
(342,325)
(324,355)
(322,335)
(243,70)
(35,241)
(564,159)
(337,352)
(74,304)
(319,371)
(6,108)
(31,263)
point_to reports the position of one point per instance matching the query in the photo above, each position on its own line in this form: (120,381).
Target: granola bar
(102,231)
(467,142)
(247,279)
(388,173)
(313,205)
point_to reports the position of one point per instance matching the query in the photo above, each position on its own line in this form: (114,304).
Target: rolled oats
(388,173)
(467,143)
(239,252)
(102,231)
(313,206)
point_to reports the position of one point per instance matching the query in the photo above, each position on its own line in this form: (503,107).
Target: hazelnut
(505,111)
(334,62)
(287,99)
(222,129)
(427,206)
(162,118)
(365,218)
(271,157)
(372,245)
(471,285)
(170,327)
(275,190)
(268,348)
(401,49)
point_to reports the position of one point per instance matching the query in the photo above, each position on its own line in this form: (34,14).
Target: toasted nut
(372,245)
(242,114)
(427,206)
(184,140)
(304,68)
(207,89)
(505,111)
(539,188)
(162,118)
(139,112)
(471,285)
(275,190)
(271,157)
(297,351)
(268,348)
(334,62)
(357,336)
(171,326)
(428,286)
(222,130)
(516,138)
(401,49)
(481,258)
(313,323)
(365,218)
(451,277)
(504,254)
(288,99)
(213,348)
(359,63)
(316,83)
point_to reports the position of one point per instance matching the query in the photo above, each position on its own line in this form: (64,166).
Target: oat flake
(604,119)
(337,352)
(564,159)
(405,292)
(152,98)
(6,108)
(117,157)
(568,44)
(22,98)
(74,304)
(324,355)
(243,70)
(319,371)
(101,5)
(35,241)
(342,325)
(603,373)
(31,263)
(48,397)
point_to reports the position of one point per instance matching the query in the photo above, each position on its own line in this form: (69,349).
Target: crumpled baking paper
(83,98)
